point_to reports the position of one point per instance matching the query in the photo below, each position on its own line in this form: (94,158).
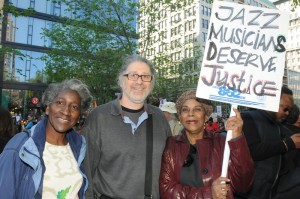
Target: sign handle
(226,150)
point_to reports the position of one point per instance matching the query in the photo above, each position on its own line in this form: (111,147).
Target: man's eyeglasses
(135,77)
(189,159)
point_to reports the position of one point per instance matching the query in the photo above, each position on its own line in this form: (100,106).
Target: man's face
(136,91)
(285,105)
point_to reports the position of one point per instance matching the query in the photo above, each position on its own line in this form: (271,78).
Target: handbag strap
(149,154)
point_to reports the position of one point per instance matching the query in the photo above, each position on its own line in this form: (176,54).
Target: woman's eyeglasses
(189,159)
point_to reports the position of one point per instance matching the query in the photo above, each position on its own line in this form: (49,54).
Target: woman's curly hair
(54,89)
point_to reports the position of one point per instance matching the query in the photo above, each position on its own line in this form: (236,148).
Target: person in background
(221,126)
(288,183)
(17,117)
(30,121)
(116,135)
(18,123)
(292,118)
(153,100)
(46,160)
(269,141)
(170,112)
(221,123)
(6,127)
(212,126)
(192,162)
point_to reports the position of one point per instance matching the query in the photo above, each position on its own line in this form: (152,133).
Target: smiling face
(63,112)
(135,92)
(192,116)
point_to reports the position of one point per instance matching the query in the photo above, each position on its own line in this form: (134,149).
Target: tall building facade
(293,47)
(293,41)
(23,77)
(182,32)
(24,73)
(294,84)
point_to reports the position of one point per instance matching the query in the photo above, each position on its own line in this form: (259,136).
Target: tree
(176,73)
(90,45)
(295,4)
(99,34)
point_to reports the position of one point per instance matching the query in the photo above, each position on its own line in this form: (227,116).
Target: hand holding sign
(244,59)
(235,123)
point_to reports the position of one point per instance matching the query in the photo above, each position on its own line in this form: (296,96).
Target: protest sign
(244,57)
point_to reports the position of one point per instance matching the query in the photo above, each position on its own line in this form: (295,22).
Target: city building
(293,47)
(23,74)
(182,33)
(294,84)
(293,41)
(22,78)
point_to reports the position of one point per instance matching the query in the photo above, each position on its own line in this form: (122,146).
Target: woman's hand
(235,123)
(220,188)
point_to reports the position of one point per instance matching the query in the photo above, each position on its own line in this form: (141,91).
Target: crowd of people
(130,149)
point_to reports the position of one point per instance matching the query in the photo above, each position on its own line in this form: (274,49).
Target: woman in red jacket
(192,162)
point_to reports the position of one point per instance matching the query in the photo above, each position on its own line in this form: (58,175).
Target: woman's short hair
(191,94)
(135,58)
(54,89)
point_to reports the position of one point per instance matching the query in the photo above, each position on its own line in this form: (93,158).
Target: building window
(27,70)
(32,4)
(191,39)
(205,23)
(203,36)
(30,30)
(186,26)
(56,9)
(190,25)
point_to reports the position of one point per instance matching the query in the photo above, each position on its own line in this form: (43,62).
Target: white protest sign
(244,57)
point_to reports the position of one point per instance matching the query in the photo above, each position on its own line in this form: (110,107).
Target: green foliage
(173,77)
(16,12)
(8,51)
(295,4)
(90,46)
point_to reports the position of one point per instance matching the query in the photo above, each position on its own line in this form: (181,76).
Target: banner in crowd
(244,56)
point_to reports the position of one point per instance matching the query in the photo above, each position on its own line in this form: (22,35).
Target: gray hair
(135,58)
(54,89)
